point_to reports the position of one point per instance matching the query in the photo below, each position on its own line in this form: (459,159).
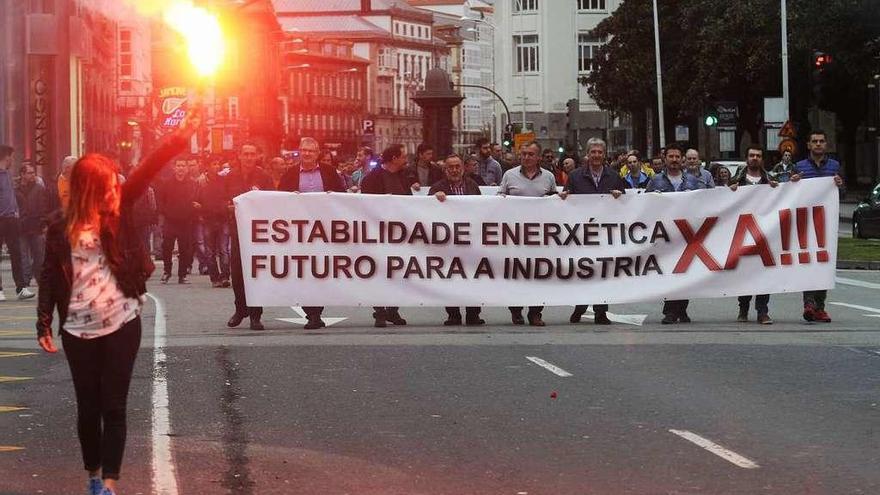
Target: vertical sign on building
(40,103)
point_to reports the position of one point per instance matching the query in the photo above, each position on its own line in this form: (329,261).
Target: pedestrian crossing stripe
(9,448)
(32,317)
(16,354)
(18,306)
(8,409)
(5,379)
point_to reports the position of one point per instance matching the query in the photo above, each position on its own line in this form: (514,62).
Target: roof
(350,24)
(316,6)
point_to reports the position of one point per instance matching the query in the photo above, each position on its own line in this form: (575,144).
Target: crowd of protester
(187,209)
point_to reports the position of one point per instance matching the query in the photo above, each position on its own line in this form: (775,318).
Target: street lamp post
(783,14)
(662,123)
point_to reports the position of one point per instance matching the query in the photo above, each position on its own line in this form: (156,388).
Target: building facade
(58,82)
(399,42)
(542,48)
(324,89)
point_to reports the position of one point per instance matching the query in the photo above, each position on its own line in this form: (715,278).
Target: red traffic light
(821,59)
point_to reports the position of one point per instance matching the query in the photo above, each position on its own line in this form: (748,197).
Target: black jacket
(470,187)
(331,179)
(33,208)
(741,180)
(580,181)
(435,174)
(176,199)
(129,261)
(381,181)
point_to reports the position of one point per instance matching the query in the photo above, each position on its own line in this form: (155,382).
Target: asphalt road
(714,407)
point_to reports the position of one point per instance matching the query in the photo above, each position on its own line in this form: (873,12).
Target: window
(396,28)
(125,66)
(233,107)
(525,6)
(588,47)
(591,5)
(526,52)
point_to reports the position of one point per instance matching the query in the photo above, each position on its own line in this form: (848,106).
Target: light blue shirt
(310,180)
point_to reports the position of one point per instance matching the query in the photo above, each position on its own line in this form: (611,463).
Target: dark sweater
(176,200)
(381,181)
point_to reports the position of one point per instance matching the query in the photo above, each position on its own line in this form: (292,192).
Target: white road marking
(552,368)
(636,320)
(726,454)
(164,474)
(857,283)
(856,306)
(302,320)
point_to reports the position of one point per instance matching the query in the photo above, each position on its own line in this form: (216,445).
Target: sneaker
(765,320)
(226,284)
(2,296)
(601,318)
(821,316)
(183,280)
(165,278)
(96,486)
(256,324)
(809,312)
(743,316)
(26,293)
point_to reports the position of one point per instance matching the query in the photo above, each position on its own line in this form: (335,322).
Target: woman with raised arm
(94,275)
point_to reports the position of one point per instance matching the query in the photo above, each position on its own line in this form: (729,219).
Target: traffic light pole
(659,78)
(783,14)
(506,110)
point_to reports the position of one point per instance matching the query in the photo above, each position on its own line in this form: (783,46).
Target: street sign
(682,133)
(787,144)
(788,131)
(369,126)
(728,113)
(521,139)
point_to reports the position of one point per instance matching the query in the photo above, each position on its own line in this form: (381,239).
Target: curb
(857,265)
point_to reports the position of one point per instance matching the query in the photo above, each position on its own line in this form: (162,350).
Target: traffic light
(711,118)
(822,68)
(507,140)
(561,148)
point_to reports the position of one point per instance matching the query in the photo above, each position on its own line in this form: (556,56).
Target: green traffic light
(711,120)
(560,149)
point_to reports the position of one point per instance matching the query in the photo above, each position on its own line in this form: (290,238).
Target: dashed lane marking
(18,306)
(15,333)
(4,354)
(9,448)
(552,368)
(8,409)
(857,283)
(7,379)
(724,453)
(4,317)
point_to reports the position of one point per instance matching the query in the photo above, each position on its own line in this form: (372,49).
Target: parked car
(866,216)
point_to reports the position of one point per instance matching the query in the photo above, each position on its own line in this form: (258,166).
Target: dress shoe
(256,324)
(235,320)
(474,322)
(396,319)
(314,324)
(536,321)
(517,318)
(452,322)
(575,316)
(601,318)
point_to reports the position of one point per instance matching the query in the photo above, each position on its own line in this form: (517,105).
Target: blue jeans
(33,248)
(216,243)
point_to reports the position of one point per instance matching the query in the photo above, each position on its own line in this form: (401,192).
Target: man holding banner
(310,176)
(456,184)
(673,179)
(594,178)
(753,174)
(389,178)
(529,179)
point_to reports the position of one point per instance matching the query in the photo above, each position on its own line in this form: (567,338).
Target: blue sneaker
(96,486)
(107,491)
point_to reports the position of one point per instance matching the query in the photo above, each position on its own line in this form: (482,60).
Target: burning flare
(201,30)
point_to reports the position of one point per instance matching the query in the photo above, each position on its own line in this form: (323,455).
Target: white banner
(354,249)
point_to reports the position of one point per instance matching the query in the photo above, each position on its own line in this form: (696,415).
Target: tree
(714,50)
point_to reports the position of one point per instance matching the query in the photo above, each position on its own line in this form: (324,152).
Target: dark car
(866,216)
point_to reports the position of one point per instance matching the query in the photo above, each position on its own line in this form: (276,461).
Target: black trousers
(533,310)
(180,231)
(241,306)
(10,234)
(815,298)
(676,308)
(471,312)
(313,312)
(382,311)
(101,370)
(762,303)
